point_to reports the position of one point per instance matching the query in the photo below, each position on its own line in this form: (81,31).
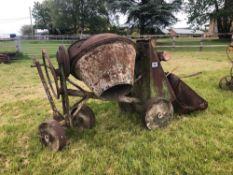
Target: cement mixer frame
(151,95)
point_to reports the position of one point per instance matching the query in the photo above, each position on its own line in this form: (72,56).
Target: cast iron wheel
(63,58)
(85,119)
(48,65)
(158,113)
(52,135)
(226,83)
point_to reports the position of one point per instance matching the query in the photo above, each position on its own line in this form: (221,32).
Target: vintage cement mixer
(113,68)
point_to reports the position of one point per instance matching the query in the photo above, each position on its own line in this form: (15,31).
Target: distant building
(41,33)
(185,32)
(182,32)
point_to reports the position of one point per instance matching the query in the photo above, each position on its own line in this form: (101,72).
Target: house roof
(186,31)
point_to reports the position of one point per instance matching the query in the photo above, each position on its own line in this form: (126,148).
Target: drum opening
(116,91)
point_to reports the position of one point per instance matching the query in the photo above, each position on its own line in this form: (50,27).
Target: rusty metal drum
(105,62)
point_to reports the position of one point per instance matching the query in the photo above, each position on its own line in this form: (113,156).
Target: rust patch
(107,66)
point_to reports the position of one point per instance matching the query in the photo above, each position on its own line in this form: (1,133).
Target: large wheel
(52,135)
(63,58)
(158,113)
(226,83)
(85,119)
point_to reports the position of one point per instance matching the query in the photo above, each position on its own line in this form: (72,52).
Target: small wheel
(52,135)
(85,119)
(158,113)
(226,83)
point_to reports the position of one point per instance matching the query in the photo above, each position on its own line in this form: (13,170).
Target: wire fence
(32,46)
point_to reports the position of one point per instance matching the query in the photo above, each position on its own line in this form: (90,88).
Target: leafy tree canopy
(147,14)
(41,14)
(26,30)
(201,11)
(71,16)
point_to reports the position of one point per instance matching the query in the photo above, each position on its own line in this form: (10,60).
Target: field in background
(32,48)
(200,143)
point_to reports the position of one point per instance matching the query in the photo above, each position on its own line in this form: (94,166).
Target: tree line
(202,11)
(145,16)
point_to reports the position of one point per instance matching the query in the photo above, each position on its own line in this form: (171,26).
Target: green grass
(192,41)
(7,46)
(33,48)
(197,144)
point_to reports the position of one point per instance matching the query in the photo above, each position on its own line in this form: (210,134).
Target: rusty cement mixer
(114,68)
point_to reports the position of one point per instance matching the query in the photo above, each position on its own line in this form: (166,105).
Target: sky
(15,13)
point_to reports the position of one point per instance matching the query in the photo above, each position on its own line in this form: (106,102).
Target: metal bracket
(56,114)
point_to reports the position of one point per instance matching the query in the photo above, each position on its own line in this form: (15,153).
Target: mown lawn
(197,144)
(187,41)
(33,47)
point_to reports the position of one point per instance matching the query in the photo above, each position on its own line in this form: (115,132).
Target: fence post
(173,42)
(201,45)
(18,44)
(202,42)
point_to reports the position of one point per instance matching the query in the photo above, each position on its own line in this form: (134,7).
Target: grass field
(196,144)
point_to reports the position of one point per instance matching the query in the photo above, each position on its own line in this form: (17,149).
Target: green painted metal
(154,83)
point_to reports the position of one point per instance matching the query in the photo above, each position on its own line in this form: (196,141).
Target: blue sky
(15,13)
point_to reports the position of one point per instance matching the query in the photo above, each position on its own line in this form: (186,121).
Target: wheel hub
(158,114)
(52,135)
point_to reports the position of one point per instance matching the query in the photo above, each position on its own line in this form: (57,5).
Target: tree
(42,14)
(72,16)
(147,14)
(201,11)
(97,24)
(78,15)
(26,30)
